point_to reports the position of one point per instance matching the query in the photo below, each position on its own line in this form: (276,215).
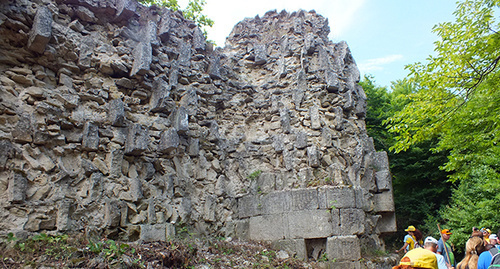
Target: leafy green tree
(193,11)
(420,187)
(457,102)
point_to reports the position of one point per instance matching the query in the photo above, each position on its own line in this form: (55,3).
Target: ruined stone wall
(121,118)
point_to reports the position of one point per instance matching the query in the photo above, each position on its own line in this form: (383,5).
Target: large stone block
(18,184)
(275,202)
(343,248)
(383,202)
(309,224)
(90,140)
(268,227)
(143,56)
(169,140)
(383,179)
(336,197)
(116,112)
(137,140)
(304,199)
(387,223)
(41,32)
(352,221)
(295,247)
(248,206)
(157,232)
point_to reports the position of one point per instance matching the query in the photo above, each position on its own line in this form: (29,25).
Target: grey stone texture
(115,104)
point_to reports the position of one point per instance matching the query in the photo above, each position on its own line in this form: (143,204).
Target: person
(486,234)
(409,240)
(418,258)
(473,247)
(419,237)
(485,258)
(447,252)
(431,244)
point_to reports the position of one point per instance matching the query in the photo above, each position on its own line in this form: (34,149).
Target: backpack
(495,258)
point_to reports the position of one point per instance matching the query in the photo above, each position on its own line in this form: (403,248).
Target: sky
(383,35)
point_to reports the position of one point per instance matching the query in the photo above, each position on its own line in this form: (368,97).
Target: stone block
(380,161)
(363,199)
(337,197)
(278,143)
(309,224)
(383,202)
(156,232)
(248,206)
(387,223)
(169,140)
(90,139)
(313,156)
(383,179)
(266,182)
(315,119)
(295,247)
(238,229)
(304,199)
(116,112)
(137,140)
(301,140)
(275,202)
(143,56)
(333,83)
(285,121)
(18,184)
(41,32)
(343,248)
(352,221)
(267,227)
(181,122)
(22,132)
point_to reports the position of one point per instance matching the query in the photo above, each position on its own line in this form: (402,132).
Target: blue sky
(384,35)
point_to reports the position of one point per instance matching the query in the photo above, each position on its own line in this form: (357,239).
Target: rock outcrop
(121,118)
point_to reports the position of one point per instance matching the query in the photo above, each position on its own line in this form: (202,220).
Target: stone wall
(122,119)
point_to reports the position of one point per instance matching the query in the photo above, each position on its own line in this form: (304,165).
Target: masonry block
(304,199)
(343,248)
(352,221)
(337,197)
(267,227)
(156,232)
(294,247)
(310,224)
(383,202)
(387,223)
(248,206)
(275,202)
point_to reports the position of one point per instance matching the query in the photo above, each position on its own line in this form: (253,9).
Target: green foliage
(254,175)
(419,185)
(455,109)
(193,11)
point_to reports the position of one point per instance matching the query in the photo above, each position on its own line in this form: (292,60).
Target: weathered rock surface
(121,117)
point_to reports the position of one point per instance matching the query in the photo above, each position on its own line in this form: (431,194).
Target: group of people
(481,251)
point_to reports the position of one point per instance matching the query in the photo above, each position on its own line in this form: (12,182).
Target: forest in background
(440,126)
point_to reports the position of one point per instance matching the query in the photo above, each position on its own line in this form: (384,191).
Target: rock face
(118,117)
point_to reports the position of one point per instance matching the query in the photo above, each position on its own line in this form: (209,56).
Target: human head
(431,244)
(410,229)
(486,232)
(445,234)
(493,239)
(473,248)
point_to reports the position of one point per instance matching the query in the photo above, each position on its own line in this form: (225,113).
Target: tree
(420,187)
(457,103)
(193,11)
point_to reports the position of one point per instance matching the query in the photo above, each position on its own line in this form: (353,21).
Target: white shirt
(441,262)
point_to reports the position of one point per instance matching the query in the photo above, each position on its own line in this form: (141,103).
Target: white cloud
(378,63)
